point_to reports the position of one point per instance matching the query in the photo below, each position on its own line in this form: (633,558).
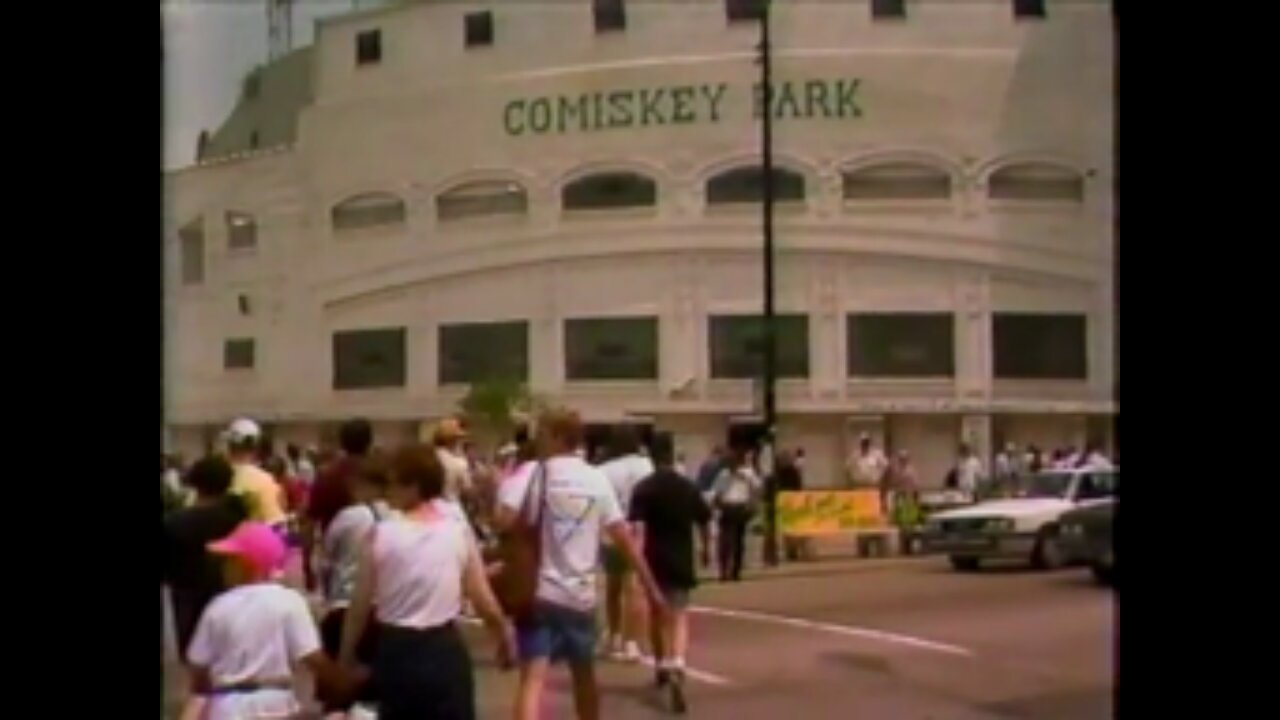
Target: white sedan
(1023,526)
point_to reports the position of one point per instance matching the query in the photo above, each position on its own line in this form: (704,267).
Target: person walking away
(867,465)
(300,465)
(414,569)
(580,506)
(735,496)
(343,540)
(710,469)
(192,574)
(623,600)
(968,471)
(449,436)
(262,494)
(665,509)
(787,478)
(250,638)
(332,492)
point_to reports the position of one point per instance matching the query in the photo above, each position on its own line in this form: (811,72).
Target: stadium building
(439,193)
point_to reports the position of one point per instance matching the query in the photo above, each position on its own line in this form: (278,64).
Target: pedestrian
(343,540)
(332,491)
(251,637)
(867,465)
(787,478)
(577,507)
(1035,459)
(448,438)
(415,567)
(710,469)
(735,496)
(261,492)
(968,470)
(300,464)
(623,599)
(666,508)
(192,574)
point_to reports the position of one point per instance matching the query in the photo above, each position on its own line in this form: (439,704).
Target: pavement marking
(845,630)
(709,678)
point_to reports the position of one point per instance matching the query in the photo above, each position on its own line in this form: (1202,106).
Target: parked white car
(1023,526)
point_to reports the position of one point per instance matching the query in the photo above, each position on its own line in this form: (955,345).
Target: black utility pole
(768,448)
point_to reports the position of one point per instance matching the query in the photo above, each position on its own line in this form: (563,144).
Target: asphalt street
(899,638)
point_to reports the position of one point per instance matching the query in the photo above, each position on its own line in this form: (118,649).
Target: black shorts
(366,653)
(424,674)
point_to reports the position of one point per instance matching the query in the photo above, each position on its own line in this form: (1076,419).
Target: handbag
(520,551)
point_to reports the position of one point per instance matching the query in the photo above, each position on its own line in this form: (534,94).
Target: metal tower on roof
(279,28)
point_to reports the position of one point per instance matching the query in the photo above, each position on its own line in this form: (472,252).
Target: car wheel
(1047,554)
(965,564)
(1104,574)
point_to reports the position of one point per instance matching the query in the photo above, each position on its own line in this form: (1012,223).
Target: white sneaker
(613,648)
(632,653)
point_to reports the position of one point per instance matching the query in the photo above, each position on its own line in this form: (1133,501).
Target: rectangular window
(737,346)
(479,28)
(609,15)
(369,47)
(611,348)
(884,9)
(242,231)
(901,345)
(191,239)
(742,10)
(478,352)
(238,354)
(1028,9)
(364,359)
(1040,347)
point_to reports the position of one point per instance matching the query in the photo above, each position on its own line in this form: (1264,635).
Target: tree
(492,408)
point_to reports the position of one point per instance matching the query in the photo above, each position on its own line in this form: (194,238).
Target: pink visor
(256,543)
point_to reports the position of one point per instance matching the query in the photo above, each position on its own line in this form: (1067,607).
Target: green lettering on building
(827,99)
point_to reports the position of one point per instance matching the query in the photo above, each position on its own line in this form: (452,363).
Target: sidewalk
(831,561)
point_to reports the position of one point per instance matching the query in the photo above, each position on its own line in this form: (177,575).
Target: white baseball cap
(243,429)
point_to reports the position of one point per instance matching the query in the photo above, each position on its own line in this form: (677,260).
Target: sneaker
(613,648)
(632,653)
(675,686)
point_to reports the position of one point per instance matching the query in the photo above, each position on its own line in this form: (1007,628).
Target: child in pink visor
(251,638)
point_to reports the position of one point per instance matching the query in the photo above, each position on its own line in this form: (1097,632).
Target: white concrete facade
(963,87)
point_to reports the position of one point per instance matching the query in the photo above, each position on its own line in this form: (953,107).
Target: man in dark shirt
(667,508)
(193,575)
(332,490)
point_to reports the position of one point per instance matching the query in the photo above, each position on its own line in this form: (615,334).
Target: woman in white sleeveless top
(414,569)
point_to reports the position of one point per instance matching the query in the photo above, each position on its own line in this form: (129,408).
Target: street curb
(823,568)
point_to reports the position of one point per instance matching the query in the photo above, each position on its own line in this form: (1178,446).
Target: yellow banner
(828,511)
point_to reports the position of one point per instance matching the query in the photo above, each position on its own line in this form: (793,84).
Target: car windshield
(1046,485)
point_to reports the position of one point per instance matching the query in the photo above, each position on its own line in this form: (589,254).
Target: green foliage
(493,407)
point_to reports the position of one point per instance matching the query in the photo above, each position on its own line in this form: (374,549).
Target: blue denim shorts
(557,633)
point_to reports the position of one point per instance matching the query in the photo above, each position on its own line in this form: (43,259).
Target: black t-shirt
(193,575)
(669,505)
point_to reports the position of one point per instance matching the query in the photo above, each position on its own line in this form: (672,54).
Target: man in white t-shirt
(969,470)
(867,465)
(580,508)
(624,612)
(251,636)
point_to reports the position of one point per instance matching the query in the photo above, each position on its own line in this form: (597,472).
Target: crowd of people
(394,547)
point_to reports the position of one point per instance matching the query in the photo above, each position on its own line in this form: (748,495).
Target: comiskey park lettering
(675,105)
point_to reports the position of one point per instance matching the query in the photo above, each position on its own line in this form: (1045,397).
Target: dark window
(888,9)
(739,10)
(242,304)
(369,359)
(1028,8)
(242,231)
(1097,486)
(897,181)
(1040,347)
(901,345)
(609,15)
(191,239)
(238,354)
(1036,181)
(480,352)
(611,348)
(253,140)
(369,47)
(479,28)
(737,346)
(608,191)
(481,199)
(746,185)
(366,211)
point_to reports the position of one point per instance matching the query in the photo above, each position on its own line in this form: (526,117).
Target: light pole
(770,369)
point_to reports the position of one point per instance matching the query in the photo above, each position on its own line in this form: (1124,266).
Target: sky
(209,45)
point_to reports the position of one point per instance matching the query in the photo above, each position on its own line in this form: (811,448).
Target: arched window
(897,181)
(368,210)
(746,185)
(1036,181)
(482,199)
(242,230)
(609,191)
